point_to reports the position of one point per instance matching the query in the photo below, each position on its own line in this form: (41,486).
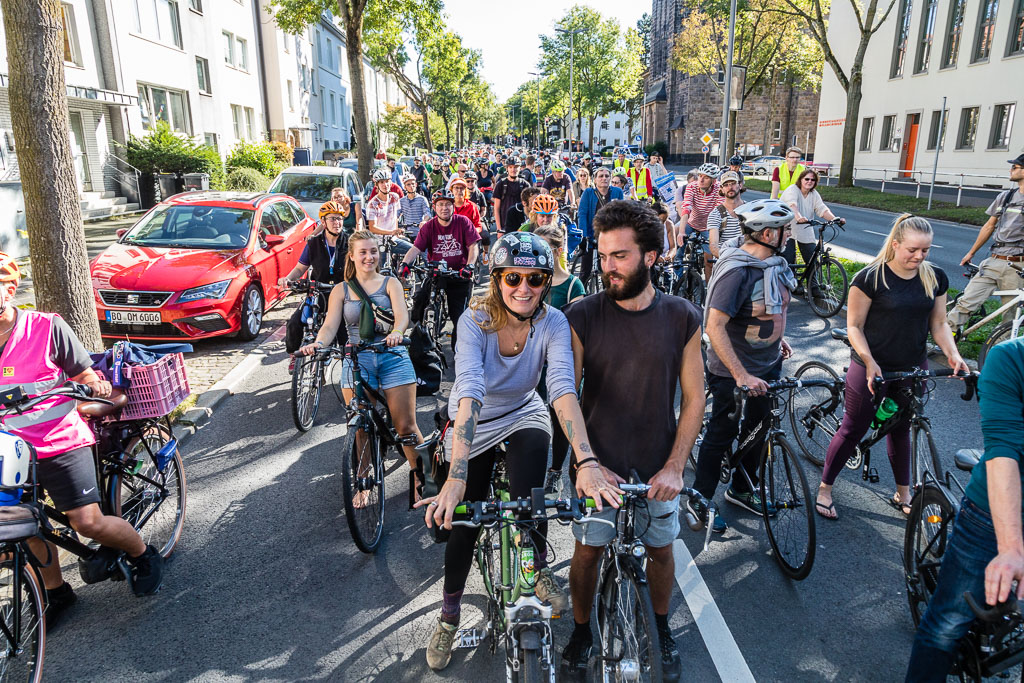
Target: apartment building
(332,114)
(290,68)
(969,51)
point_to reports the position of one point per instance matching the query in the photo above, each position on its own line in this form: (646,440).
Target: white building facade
(969,51)
(289,67)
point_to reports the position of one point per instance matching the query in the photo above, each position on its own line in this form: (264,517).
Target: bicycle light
(638,550)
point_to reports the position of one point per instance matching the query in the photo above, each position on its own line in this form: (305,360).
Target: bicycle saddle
(967,458)
(840,334)
(95,409)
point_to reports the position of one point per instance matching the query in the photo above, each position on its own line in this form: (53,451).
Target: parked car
(311,185)
(199,264)
(763,165)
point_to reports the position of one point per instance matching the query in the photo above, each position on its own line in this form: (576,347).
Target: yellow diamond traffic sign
(706,139)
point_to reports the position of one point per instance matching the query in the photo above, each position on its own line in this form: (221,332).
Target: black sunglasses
(534,280)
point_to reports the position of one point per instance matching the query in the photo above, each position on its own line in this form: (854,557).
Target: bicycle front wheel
(629,646)
(21,607)
(152,499)
(1003,332)
(827,287)
(925,454)
(695,288)
(929,528)
(362,477)
(307,383)
(791,526)
(811,414)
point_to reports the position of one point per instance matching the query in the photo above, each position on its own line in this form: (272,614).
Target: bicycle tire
(784,484)
(624,606)
(923,439)
(814,436)
(973,318)
(438,319)
(362,471)
(132,495)
(27,664)
(489,562)
(307,385)
(929,527)
(834,285)
(1002,332)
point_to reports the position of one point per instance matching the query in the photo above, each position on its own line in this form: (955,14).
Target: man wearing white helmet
(699,199)
(745,318)
(559,185)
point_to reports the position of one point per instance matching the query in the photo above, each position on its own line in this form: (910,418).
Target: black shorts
(70,479)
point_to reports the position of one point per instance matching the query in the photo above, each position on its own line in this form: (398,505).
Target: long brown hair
(903,225)
(350,264)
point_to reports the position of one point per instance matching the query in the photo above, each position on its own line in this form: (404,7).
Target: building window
(866,128)
(158,19)
(933,131)
(229,48)
(968,128)
(285,39)
(618,125)
(330,54)
(236,120)
(291,97)
(954,32)
(924,42)
(986,30)
(161,104)
(1002,122)
(203,75)
(196,5)
(323,105)
(242,54)
(888,128)
(334,111)
(1015,45)
(777,130)
(72,53)
(341,61)
(250,123)
(899,51)
(319,48)
(210,140)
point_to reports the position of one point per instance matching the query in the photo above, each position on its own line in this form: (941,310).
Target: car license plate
(133,317)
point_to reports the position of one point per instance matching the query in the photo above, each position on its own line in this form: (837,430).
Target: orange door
(911,148)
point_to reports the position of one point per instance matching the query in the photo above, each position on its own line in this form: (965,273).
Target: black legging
(458,292)
(526,463)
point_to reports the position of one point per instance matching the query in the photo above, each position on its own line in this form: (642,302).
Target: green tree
(403,126)
(628,91)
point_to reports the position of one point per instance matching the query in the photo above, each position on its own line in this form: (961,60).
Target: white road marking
(884,234)
(237,375)
(718,639)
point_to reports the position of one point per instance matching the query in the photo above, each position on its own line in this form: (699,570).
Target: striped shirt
(698,204)
(414,209)
(383,211)
(727,230)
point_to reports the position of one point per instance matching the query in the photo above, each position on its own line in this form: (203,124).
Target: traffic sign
(706,139)
(637,138)
(705,149)
(711,130)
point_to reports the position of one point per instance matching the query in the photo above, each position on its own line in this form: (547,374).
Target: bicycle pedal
(469,638)
(873,475)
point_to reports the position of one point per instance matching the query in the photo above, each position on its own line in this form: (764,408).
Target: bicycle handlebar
(996,612)
(919,374)
(305,286)
(16,400)
(741,393)
(341,351)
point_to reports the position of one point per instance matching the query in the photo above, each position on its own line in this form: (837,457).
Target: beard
(632,283)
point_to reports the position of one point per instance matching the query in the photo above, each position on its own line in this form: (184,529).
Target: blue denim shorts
(659,522)
(384,370)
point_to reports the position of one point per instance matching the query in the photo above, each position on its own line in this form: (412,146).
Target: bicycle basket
(156,389)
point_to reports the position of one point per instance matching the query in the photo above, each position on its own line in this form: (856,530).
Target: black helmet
(442,196)
(736,160)
(522,250)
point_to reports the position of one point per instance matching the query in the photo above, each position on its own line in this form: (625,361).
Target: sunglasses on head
(534,280)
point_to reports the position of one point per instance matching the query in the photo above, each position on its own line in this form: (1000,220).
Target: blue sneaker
(700,511)
(748,501)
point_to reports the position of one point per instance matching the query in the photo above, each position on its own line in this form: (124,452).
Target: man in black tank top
(634,347)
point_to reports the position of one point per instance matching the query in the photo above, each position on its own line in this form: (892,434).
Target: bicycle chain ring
(856,460)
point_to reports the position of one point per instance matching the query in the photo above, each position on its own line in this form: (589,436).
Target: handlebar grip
(83,389)
(970,386)
(994,613)
(739,396)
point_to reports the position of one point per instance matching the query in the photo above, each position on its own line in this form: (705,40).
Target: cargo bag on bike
(18,522)
(426,360)
(433,465)
(421,300)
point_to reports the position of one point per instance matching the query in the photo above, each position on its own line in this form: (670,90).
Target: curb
(199,415)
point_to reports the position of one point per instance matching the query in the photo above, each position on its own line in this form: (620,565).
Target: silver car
(763,165)
(311,185)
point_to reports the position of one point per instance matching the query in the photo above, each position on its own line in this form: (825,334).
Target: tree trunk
(39,117)
(853,97)
(447,131)
(731,149)
(426,129)
(590,135)
(351,12)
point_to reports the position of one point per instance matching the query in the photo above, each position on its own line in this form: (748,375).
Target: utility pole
(537,141)
(572,53)
(938,148)
(723,144)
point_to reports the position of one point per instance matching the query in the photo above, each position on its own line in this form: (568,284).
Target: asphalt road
(267,585)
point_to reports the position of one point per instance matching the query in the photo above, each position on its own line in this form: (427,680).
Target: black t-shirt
(509,192)
(631,366)
(559,189)
(898,321)
(755,334)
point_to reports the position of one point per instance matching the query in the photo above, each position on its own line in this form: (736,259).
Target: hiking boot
(147,572)
(58,601)
(576,659)
(439,649)
(547,589)
(748,501)
(700,511)
(553,483)
(671,667)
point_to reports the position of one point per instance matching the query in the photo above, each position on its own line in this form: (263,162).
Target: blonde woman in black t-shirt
(894,303)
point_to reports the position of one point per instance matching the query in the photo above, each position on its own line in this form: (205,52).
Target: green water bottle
(886,410)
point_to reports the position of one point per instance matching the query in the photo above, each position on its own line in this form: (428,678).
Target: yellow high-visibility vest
(639,181)
(785,179)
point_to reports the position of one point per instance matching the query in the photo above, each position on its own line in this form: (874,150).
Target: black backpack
(427,360)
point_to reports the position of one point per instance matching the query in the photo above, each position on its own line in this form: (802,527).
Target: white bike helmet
(710,170)
(763,214)
(381,174)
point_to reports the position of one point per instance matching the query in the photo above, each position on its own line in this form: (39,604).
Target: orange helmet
(9,271)
(544,203)
(330,207)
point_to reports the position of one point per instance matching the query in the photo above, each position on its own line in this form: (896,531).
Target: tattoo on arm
(464,432)
(585,447)
(566,425)
(459,469)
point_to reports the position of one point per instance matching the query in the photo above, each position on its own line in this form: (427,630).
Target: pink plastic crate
(156,389)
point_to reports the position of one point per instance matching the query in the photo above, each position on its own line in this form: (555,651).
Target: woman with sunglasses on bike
(504,342)
(389,372)
(894,304)
(803,197)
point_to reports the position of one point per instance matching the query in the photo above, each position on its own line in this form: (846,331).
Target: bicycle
(593,283)
(369,435)
(436,273)
(308,376)
(139,473)
(816,418)
(783,489)
(826,283)
(1008,329)
(689,282)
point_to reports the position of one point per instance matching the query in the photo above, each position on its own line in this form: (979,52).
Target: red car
(199,264)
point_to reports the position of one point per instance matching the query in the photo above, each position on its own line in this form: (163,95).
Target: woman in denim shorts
(389,371)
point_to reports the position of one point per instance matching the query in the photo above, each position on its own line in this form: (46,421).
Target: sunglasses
(534,280)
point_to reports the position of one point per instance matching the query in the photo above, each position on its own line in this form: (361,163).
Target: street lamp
(723,138)
(572,35)
(538,75)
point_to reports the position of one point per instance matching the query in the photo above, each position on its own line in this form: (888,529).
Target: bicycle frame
(365,402)
(1016,302)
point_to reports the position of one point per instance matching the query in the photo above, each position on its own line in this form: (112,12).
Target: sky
(508,34)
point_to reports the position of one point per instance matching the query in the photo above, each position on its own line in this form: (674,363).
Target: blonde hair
(904,224)
(350,264)
(491,304)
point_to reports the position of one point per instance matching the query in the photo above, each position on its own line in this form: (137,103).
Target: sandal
(824,510)
(900,505)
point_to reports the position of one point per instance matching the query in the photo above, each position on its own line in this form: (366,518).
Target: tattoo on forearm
(459,469)
(465,431)
(566,425)
(585,447)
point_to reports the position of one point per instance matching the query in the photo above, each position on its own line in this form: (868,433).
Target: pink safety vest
(53,426)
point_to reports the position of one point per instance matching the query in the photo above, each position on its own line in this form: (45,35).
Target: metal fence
(919,178)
